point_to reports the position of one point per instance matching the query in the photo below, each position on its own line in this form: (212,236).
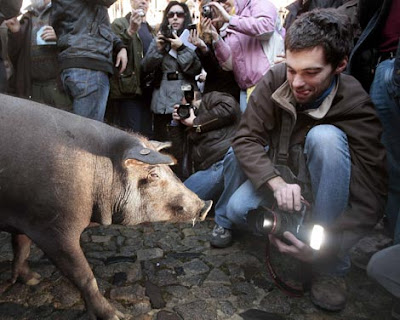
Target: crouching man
(306,115)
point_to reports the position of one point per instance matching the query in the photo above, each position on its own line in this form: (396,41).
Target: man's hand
(176,42)
(188,121)
(13,24)
(49,34)
(134,22)
(287,196)
(298,249)
(122,60)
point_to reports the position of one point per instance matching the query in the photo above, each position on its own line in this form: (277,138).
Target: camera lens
(184,111)
(265,221)
(206,12)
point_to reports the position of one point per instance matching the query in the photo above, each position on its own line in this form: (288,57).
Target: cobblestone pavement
(169,271)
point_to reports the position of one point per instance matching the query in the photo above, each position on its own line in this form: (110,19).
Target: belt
(386,55)
(175,75)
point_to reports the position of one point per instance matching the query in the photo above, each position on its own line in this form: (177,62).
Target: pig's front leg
(67,255)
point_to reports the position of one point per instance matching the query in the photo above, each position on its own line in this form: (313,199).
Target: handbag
(125,84)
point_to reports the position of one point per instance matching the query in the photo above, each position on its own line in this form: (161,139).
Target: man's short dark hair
(326,28)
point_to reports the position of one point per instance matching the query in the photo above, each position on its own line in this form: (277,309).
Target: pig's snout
(206,208)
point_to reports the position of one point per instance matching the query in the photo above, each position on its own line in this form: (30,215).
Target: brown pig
(59,172)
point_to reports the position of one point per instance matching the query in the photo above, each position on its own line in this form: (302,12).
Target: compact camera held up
(168,32)
(266,221)
(206,12)
(184,109)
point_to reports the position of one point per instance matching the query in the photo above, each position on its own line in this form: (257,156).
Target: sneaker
(221,237)
(362,252)
(329,292)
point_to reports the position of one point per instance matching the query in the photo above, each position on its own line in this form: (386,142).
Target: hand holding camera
(220,15)
(135,21)
(196,41)
(160,42)
(175,42)
(168,34)
(185,112)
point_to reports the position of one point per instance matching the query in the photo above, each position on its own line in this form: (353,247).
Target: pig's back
(48,156)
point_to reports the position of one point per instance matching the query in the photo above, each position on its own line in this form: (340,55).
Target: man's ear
(342,65)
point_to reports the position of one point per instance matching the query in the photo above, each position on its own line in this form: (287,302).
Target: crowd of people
(316,122)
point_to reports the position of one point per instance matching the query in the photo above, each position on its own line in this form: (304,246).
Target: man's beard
(38,4)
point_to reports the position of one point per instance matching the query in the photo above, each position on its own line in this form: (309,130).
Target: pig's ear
(148,156)
(158,145)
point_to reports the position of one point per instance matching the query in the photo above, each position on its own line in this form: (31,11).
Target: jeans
(384,267)
(385,95)
(328,161)
(207,184)
(89,91)
(135,114)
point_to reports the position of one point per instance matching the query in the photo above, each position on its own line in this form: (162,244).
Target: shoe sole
(221,244)
(327,307)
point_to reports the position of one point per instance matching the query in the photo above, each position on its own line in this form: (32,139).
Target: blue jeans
(89,91)
(385,95)
(328,161)
(384,267)
(207,184)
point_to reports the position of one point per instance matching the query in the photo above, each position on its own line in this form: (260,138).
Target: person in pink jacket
(241,49)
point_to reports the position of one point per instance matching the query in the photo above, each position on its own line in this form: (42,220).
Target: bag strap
(284,140)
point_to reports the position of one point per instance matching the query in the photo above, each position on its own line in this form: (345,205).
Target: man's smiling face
(308,74)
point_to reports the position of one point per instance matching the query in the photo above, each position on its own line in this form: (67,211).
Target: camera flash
(317,237)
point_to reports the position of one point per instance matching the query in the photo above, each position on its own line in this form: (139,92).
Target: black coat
(214,127)
(84,34)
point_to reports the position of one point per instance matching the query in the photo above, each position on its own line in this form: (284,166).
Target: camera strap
(282,285)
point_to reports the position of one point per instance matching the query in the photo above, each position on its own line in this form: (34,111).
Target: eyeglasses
(179,14)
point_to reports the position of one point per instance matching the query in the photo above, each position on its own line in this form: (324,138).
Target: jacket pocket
(104,43)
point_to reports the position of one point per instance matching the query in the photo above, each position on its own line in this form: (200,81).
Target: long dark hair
(186,22)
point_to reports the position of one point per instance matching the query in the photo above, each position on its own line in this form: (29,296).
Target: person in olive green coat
(130,98)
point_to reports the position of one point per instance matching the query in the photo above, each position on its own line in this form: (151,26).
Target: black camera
(192,26)
(183,110)
(264,221)
(188,92)
(206,12)
(167,31)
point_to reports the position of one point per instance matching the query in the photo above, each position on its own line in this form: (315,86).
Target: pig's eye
(153,174)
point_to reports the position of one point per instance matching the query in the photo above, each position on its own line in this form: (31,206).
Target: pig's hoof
(31,278)
(34,280)
(117,315)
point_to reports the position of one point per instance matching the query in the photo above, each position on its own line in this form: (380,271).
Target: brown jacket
(349,108)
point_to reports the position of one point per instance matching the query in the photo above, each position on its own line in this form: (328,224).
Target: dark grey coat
(169,93)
